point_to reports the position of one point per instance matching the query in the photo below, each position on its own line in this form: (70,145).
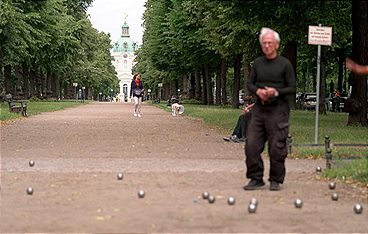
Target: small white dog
(177,109)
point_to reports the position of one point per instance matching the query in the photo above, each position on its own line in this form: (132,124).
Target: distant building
(123,53)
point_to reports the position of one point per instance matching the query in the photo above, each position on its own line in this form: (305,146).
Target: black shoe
(274,186)
(254,184)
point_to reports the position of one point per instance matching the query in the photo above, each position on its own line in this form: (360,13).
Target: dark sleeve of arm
(290,81)
(252,87)
(131,89)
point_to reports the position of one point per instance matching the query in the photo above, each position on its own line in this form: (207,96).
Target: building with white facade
(123,53)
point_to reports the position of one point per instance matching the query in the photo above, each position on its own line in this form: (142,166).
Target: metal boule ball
(141,194)
(205,195)
(231,201)
(31,163)
(29,190)
(253,201)
(335,196)
(252,208)
(332,185)
(298,203)
(358,208)
(120,176)
(318,169)
(211,199)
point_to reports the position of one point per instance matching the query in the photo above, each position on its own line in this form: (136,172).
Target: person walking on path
(356,68)
(136,92)
(271,80)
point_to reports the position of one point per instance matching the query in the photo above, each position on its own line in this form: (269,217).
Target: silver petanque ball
(332,185)
(211,199)
(252,208)
(358,208)
(335,196)
(31,163)
(29,190)
(253,201)
(205,195)
(231,201)
(120,176)
(298,203)
(141,194)
(318,169)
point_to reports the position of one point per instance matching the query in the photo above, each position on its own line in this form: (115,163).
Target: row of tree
(205,48)
(46,46)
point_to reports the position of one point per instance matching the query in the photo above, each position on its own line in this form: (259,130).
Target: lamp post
(75,90)
(149,94)
(84,92)
(160,92)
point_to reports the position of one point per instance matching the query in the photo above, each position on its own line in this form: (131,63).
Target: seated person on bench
(240,131)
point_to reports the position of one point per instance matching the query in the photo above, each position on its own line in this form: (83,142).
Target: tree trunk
(218,84)
(18,75)
(360,55)
(223,81)
(54,81)
(48,93)
(209,85)
(236,87)
(291,53)
(246,71)
(25,81)
(198,89)
(9,88)
(322,88)
(192,86)
(340,74)
(204,88)
(2,84)
(32,83)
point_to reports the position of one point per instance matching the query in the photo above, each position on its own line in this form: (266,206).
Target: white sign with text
(318,35)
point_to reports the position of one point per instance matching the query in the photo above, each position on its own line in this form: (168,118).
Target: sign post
(318,35)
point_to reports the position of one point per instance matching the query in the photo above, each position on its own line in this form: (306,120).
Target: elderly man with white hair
(272,79)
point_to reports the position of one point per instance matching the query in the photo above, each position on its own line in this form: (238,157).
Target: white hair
(265,31)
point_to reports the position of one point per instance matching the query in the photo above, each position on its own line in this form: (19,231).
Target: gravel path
(79,151)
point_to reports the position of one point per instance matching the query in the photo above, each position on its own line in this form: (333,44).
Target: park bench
(19,106)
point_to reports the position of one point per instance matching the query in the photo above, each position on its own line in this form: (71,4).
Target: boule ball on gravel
(141,194)
(29,190)
(298,203)
(211,199)
(334,196)
(120,176)
(252,208)
(358,208)
(205,195)
(253,201)
(332,185)
(318,169)
(31,163)
(231,201)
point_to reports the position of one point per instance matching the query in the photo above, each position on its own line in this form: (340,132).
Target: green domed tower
(123,52)
(125,43)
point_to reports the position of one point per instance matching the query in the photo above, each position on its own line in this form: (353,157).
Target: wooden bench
(19,106)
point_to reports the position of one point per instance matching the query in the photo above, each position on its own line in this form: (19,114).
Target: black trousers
(268,123)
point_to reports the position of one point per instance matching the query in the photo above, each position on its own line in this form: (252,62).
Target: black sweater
(277,73)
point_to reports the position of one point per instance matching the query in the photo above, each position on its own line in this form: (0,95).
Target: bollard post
(328,158)
(289,141)
(327,143)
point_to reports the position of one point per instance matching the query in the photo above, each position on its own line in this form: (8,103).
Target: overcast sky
(108,16)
